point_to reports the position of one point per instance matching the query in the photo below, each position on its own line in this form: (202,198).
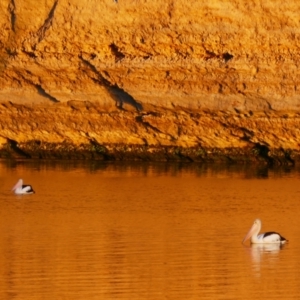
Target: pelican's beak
(17,185)
(250,233)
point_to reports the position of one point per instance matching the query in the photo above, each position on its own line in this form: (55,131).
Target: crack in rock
(47,24)
(118,94)
(116,52)
(43,93)
(15,148)
(12,9)
(146,124)
(40,90)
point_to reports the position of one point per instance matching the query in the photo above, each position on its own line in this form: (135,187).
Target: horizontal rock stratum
(139,79)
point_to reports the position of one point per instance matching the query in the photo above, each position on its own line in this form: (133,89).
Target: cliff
(138,79)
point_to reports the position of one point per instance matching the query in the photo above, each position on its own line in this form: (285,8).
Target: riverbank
(84,130)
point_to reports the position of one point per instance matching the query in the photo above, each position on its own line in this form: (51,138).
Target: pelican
(263,238)
(21,189)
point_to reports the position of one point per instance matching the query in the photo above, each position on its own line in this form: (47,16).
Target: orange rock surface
(209,74)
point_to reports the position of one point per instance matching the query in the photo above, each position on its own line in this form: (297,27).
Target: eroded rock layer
(84,130)
(146,79)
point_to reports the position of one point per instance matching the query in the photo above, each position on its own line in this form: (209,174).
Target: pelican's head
(254,230)
(257,222)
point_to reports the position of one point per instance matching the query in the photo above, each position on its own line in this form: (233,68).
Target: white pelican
(21,189)
(263,238)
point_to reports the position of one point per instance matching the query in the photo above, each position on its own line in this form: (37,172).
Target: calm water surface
(113,231)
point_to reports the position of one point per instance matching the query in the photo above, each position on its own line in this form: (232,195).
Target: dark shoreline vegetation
(257,154)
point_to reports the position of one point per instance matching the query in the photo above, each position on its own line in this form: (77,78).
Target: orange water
(146,232)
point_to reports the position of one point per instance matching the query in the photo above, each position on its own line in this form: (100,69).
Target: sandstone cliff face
(217,74)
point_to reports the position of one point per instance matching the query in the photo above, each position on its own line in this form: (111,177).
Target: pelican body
(21,189)
(263,238)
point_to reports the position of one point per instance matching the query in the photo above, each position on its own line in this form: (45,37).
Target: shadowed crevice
(47,24)
(263,152)
(27,78)
(120,96)
(146,124)
(225,56)
(12,9)
(30,54)
(14,147)
(43,93)
(116,52)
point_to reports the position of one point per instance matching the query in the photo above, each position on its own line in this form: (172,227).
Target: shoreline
(257,154)
(88,131)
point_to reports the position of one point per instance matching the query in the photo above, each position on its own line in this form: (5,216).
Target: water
(137,231)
